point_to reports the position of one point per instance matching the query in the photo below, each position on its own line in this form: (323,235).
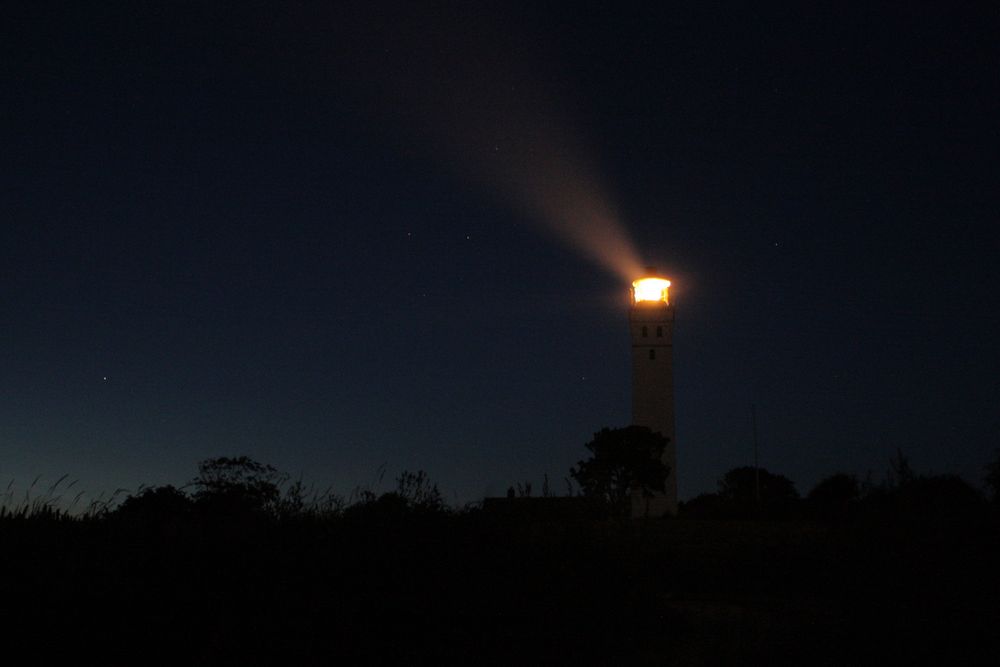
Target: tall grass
(58,502)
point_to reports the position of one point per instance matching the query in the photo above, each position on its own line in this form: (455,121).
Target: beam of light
(463,88)
(549,179)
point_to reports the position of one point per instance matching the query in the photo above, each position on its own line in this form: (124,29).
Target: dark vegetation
(621,460)
(244,566)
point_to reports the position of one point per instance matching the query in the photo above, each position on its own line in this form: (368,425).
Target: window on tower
(652,354)
(659,332)
(645,331)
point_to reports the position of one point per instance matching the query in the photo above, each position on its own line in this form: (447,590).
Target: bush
(237,487)
(939,496)
(704,506)
(155,505)
(778,497)
(834,498)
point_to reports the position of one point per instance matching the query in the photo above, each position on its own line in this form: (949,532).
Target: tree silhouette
(419,492)
(833,497)
(415,496)
(937,497)
(704,506)
(234,486)
(900,472)
(738,488)
(155,504)
(620,459)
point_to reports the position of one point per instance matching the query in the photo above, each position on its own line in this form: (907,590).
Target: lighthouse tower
(651,321)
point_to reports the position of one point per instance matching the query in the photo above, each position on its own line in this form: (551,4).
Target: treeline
(240,488)
(243,489)
(747,492)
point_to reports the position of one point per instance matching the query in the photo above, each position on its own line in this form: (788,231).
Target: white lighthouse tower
(651,321)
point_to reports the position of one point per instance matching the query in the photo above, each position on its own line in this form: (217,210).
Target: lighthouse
(651,323)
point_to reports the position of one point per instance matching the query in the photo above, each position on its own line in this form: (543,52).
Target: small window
(645,331)
(652,354)
(659,332)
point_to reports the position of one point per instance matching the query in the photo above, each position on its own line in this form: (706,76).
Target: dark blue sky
(334,238)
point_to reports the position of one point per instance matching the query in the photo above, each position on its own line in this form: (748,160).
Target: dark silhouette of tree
(907,496)
(377,510)
(704,506)
(415,495)
(900,473)
(738,488)
(937,497)
(419,493)
(237,486)
(155,505)
(833,498)
(620,459)
(883,497)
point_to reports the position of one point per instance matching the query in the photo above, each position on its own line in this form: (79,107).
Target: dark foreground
(468,589)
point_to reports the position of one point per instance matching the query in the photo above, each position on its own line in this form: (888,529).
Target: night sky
(349,238)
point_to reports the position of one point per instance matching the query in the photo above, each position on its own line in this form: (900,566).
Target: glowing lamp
(651,290)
